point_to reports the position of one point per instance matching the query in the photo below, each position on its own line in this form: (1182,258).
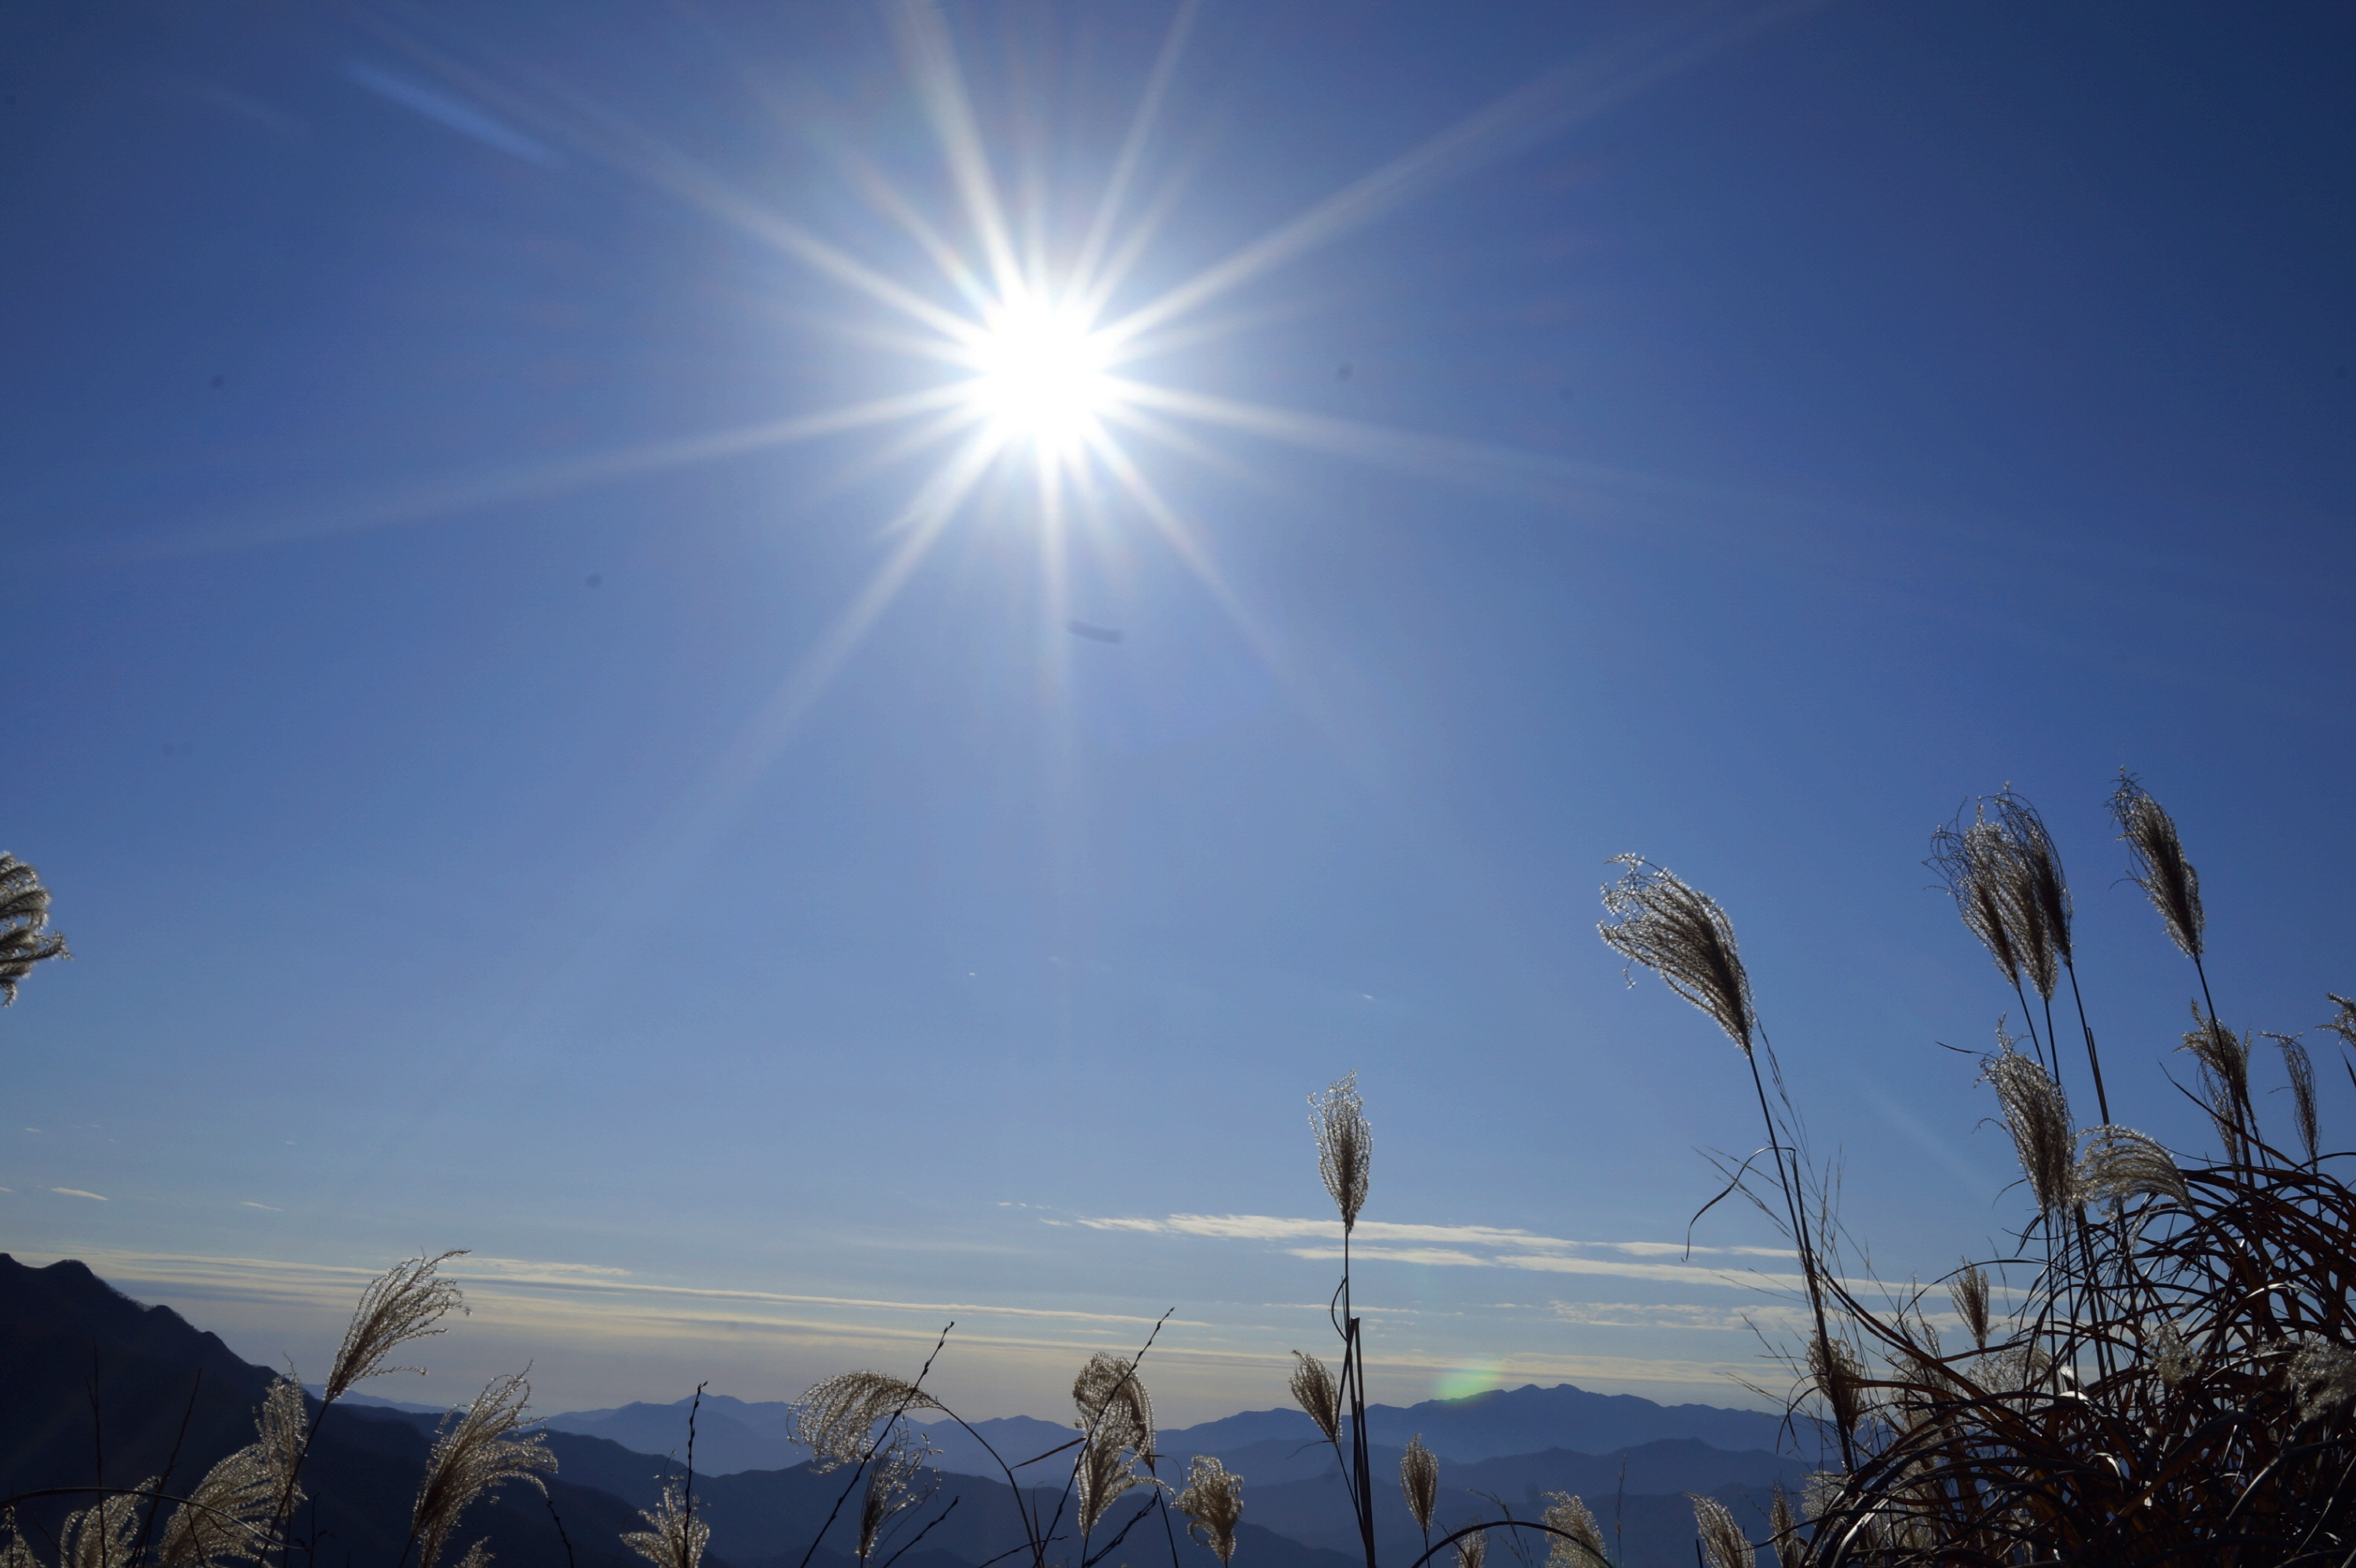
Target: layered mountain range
(101,1390)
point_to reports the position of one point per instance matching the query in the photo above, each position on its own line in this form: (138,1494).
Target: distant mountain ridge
(734,1434)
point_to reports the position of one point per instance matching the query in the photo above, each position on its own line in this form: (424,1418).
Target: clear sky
(543,680)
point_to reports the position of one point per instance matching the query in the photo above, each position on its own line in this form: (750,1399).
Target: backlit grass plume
(1419,1481)
(1576,1520)
(225,1518)
(836,1416)
(1104,1473)
(1969,1291)
(2037,1115)
(892,1489)
(1783,1531)
(2300,1068)
(2119,1163)
(674,1538)
(1115,1409)
(105,1534)
(405,1303)
(1472,1550)
(1212,1502)
(2224,1059)
(1313,1391)
(1345,1146)
(1723,1545)
(1682,935)
(1983,876)
(25,937)
(476,1451)
(2161,870)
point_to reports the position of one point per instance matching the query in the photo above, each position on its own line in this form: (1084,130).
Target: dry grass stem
(406,1302)
(836,1417)
(484,1446)
(1570,1515)
(2161,870)
(1313,1389)
(25,937)
(2038,1116)
(1345,1146)
(1212,1502)
(674,1537)
(1682,935)
(1419,1481)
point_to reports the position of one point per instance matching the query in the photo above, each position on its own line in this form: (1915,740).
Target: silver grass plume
(2047,889)
(478,1555)
(14,1551)
(1969,1291)
(2300,1068)
(2323,1375)
(1723,1545)
(1841,1377)
(1212,1502)
(25,937)
(1313,1391)
(2343,1023)
(1102,1474)
(2120,1163)
(1976,864)
(1420,1482)
(2161,870)
(1114,1410)
(477,1450)
(1472,1550)
(2037,1115)
(1790,1552)
(674,1537)
(1584,1548)
(406,1302)
(102,1535)
(1682,935)
(2224,1059)
(2172,1358)
(223,1518)
(836,1416)
(891,1487)
(1345,1146)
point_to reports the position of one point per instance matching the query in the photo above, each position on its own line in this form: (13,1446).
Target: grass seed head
(1345,1146)
(484,1446)
(2300,1068)
(2037,1115)
(1114,1410)
(2322,1376)
(674,1537)
(2120,1163)
(2160,870)
(835,1418)
(1723,1545)
(1969,1291)
(1472,1550)
(25,937)
(1419,1481)
(892,1488)
(1790,1550)
(1314,1391)
(1682,935)
(406,1302)
(1212,1502)
(1570,1515)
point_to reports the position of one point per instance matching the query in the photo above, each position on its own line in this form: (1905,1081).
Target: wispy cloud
(453,113)
(250,1203)
(78,1192)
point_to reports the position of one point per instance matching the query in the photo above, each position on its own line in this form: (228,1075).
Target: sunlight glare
(1042,375)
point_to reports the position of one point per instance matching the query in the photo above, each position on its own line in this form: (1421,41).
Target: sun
(1042,378)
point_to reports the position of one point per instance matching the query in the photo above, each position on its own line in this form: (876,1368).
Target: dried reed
(2161,870)
(1419,1483)
(674,1538)
(476,1451)
(1578,1541)
(1345,1146)
(836,1417)
(1472,1549)
(1723,1544)
(1313,1391)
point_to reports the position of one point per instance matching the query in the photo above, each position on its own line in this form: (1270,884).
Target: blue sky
(517,774)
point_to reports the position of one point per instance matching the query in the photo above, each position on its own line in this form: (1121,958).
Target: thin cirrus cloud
(78,1192)
(1501,1247)
(451,113)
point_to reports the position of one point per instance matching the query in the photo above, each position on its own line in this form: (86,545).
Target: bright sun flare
(1042,375)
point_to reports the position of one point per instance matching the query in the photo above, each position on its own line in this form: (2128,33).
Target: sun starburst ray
(1133,148)
(923,36)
